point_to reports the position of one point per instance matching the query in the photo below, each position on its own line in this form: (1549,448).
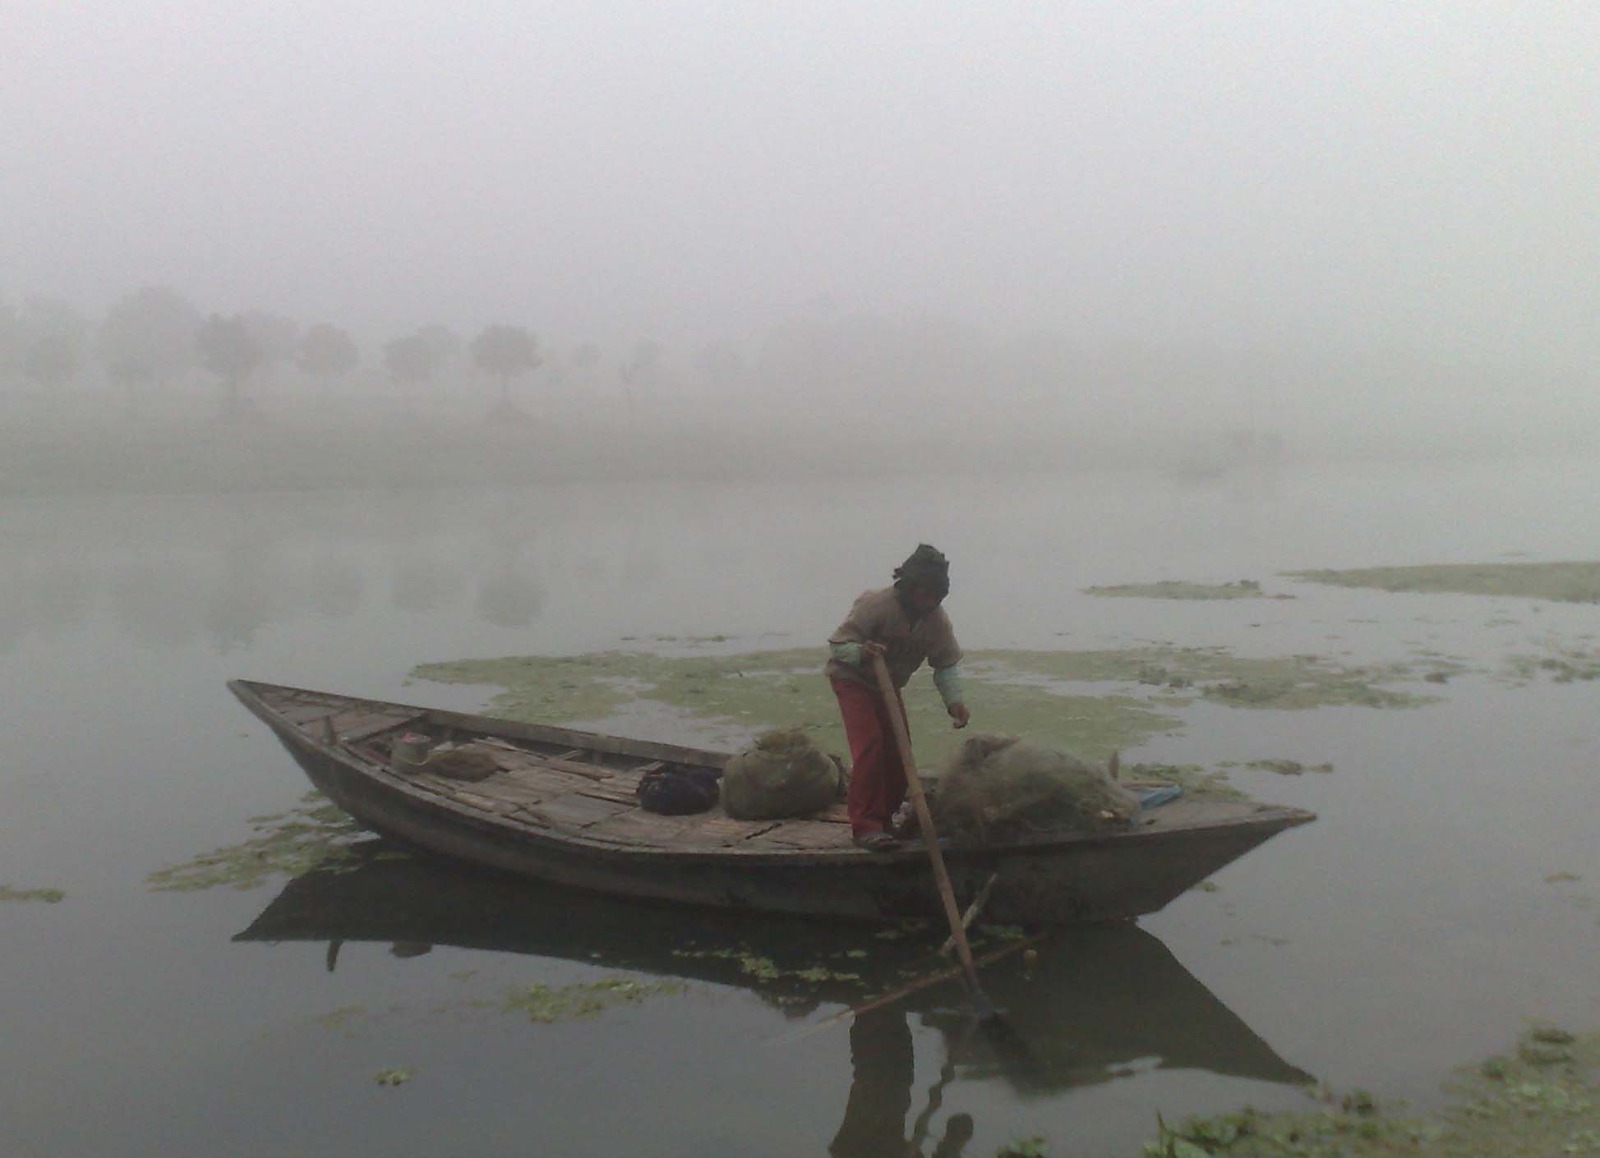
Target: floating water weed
(1565,666)
(1544,1053)
(47,896)
(1576,582)
(1288,767)
(727,700)
(340,1020)
(1004,932)
(1510,1105)
(314,835)
(545,1004)
(1178,589)
(763,968)
(1552,1035)
(1033,1147)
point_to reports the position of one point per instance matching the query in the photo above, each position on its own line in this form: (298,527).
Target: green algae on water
(1030,693)
(752,693)
(1214,673)
(1572,582)
(547,1004)
(1540,1099)
(1288,767)
(1564,665)
(343,1019)
(763,968)
(1029,1147)
(47,896)
(395,1076)
(1178,589)
(316,834)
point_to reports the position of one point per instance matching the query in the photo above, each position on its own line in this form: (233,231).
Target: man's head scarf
(925,567)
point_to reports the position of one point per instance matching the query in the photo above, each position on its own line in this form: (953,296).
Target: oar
(919,801)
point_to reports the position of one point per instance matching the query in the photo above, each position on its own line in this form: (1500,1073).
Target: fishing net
(998,788)
(782,774)
(452,761)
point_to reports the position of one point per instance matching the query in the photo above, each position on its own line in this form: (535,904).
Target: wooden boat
(1095,1003)
(560,805)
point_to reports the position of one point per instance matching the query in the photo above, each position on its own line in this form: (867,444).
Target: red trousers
(877,778)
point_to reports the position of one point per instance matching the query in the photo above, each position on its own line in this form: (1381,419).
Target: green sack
(782,774)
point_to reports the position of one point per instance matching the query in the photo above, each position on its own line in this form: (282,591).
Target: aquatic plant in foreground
(316,834)
(1540,1099)
(547,1004)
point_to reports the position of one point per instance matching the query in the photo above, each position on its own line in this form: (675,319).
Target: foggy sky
(1349,176)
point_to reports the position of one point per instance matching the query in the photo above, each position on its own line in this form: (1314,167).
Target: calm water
(1411,929)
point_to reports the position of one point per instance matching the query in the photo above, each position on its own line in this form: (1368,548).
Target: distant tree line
(154,336)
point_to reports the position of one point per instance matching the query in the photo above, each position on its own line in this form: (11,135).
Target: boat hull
(1088,878)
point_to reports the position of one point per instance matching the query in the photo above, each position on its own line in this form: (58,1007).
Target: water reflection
(243,602)
(883,1065)
(510,594)
(423,583)
(155,605)
(44,595)
(334,586)
(1093,1006)
(226,571)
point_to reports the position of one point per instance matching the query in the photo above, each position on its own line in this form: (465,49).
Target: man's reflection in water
(883,1067)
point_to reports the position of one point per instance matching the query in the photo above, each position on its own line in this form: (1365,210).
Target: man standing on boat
(906,625)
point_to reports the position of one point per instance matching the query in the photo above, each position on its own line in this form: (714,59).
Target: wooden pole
(973,910)
(930,838)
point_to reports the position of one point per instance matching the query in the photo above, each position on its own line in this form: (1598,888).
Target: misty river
(1444,897)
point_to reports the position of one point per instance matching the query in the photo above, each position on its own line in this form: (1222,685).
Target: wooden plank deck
(574,790)
(574,810)
(562,793)
(636,826)
(802,835)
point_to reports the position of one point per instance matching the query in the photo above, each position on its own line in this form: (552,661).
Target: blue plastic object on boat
(1157,795)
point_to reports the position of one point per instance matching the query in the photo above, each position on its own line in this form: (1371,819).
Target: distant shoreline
(356,452)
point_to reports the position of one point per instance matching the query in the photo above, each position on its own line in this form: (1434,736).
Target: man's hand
(871,648)
(958,714)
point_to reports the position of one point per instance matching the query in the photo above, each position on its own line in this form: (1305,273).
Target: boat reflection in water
(1085,1006)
